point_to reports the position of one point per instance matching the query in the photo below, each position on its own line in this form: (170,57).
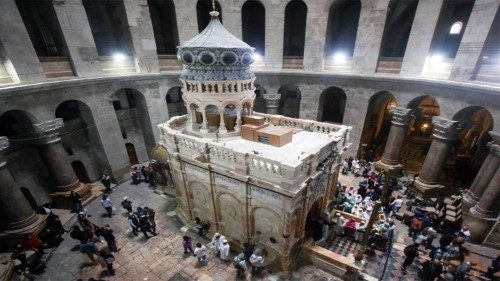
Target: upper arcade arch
(332,103)
(253,23)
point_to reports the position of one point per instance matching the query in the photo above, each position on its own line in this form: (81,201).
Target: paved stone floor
(159,258)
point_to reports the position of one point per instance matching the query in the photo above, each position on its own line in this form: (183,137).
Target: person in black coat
(107,234)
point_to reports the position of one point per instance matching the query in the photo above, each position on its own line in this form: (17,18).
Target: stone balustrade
(217,87)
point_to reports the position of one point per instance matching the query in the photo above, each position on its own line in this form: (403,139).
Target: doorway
(132,155)
(80,171)
(314,226)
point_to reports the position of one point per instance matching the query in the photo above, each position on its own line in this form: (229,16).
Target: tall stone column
(469,55)
(314,49)
(369,36)
(444,136)
(272,103)
(57,162)
(22,63)
(421,34)
(17,217)
(484,215)
(484,176)
(142,35)
(401,118)
(78,37)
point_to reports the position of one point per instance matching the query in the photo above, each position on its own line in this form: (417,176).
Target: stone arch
(81,138)
(311,219)
(230,116)
(133,117)
(164,21)
(289,100)
(232,218)
(253,21)
(201,201)
(266,224)
(175,102)
(471,146)
(212,114)
(259,102)
(343,19)
(332,103)
(376,126)
(419,136)
(295,28)
(203,7)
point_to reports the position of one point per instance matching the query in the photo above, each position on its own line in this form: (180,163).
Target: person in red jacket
(415,227)
(35,244)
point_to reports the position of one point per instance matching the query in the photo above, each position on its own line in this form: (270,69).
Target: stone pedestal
(272,103)
(57,162)
(484,176)
(401,117)
(17,217)
(484,215)
(444,136)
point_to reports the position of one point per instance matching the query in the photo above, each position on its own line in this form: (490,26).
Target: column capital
(445,129)
(272,100)
(401,116)
(49,130)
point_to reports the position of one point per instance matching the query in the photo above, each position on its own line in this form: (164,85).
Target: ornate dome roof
(215,54)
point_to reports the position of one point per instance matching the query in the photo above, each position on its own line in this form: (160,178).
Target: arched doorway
(81,138)
(259,104)
(133,117)
(313,225)
(175,103)
(132,154)
(29,196)
(253,21)
(203,9)
(332,105)
(419,137)
(377,126)
(164,23)
(80,171)
(396,34)
(294,34)
(289,101)
(470,148)
(343,19)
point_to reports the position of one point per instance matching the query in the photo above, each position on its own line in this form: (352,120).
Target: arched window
(343,21)
(295,28)
(253,17)
(164,26)
(456,28)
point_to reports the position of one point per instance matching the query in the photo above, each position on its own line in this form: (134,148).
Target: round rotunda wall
(217,84)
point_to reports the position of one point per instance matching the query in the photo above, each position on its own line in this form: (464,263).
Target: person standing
(187,244)
(217,242)
(257,262)
(135,176)
(150,214)
(415,227)
(396,205)
(151,175)
(248,250)
(145,226)
(144,173)
(90,250)
(241,266)
(108,258)
(107,234)
(77,202)
(107,204)
(106,181)
(133,221)
(77,234)
(127,204)
(411,252)
(201,254)
(224,250)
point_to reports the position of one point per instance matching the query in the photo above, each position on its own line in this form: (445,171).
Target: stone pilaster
(484,215)
(314,49)
(187,24)
(484,176)
(444,136)
(275,30)
(421,34)
(369,36)
(57,162)
(17,217)
(78,37)
(272,103)
(469,55)
(22,63)
(231,14)
(401,118)
(142,35)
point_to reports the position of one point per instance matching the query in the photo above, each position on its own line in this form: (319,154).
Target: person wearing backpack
(241,265)
(411,252)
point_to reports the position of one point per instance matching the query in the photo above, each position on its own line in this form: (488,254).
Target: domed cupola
(217,84)
(216,54)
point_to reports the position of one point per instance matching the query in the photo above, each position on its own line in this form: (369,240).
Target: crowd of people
(144,173)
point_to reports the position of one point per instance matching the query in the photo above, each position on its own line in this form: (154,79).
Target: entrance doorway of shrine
(314,226)
(132,155)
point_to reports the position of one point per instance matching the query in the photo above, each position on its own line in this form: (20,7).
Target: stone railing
(217,87)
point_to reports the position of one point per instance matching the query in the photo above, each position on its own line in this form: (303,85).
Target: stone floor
(159,258)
